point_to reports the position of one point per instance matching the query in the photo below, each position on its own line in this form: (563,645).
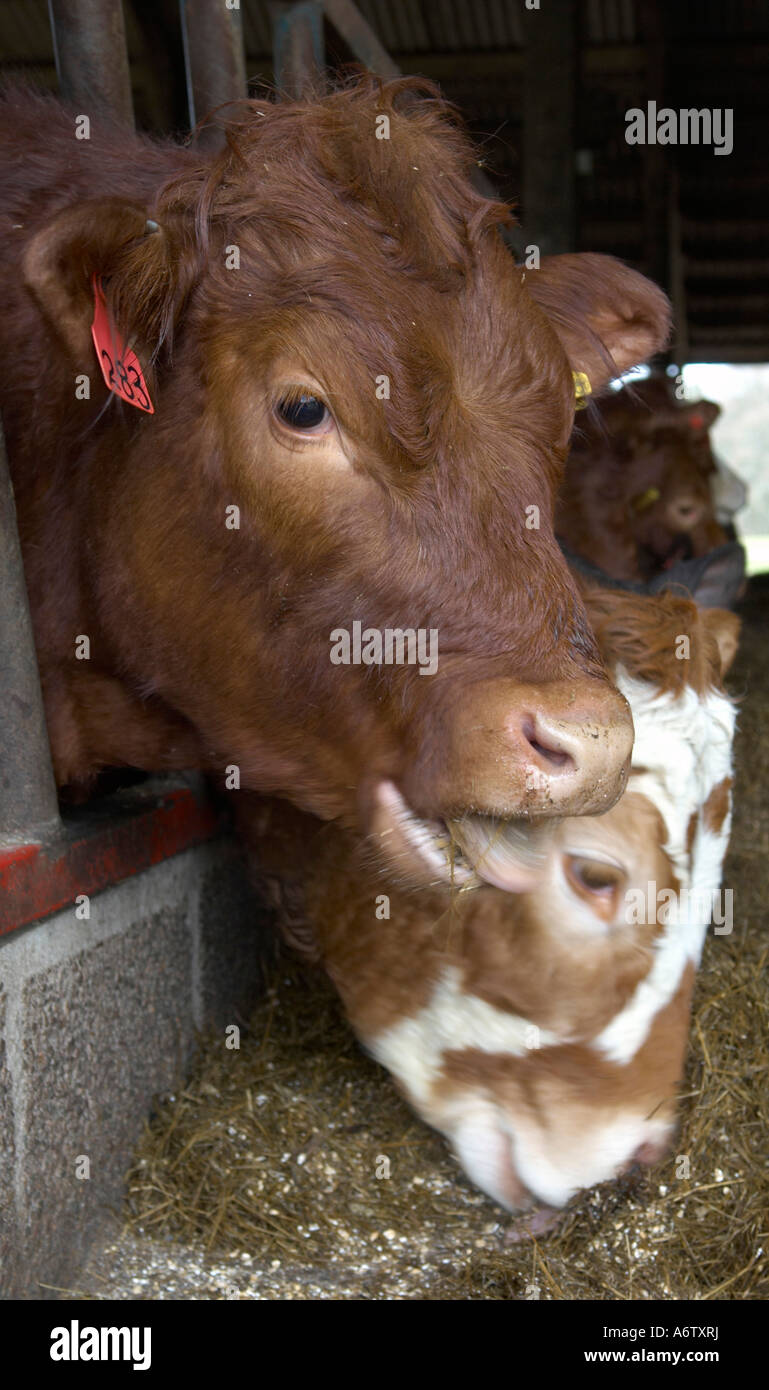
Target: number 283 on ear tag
(120,366)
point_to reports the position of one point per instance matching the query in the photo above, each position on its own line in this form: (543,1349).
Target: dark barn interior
(182,1206)
(567,73)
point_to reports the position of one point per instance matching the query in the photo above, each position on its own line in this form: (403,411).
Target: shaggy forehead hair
(641,636)
(301,167)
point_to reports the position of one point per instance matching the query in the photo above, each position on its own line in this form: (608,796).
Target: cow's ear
(608,317)
(141,262)
(701,415)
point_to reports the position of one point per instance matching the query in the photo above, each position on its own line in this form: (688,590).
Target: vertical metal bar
(548,131)
(214,60)
(360,37)
(28,805)
(89,46)
(297,45)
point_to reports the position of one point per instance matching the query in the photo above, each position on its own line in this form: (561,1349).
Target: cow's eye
(303,411)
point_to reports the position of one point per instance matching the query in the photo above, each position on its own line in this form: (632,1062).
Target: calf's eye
(303,411)
(597,883)
(593,874)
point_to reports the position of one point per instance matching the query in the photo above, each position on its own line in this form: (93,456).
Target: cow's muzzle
(516,757)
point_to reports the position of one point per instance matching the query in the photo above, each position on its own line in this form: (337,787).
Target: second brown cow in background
(638,492)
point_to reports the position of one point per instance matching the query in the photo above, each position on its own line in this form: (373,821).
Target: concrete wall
(97,1017)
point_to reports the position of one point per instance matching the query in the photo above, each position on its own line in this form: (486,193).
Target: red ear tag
(120,366)
(696,422)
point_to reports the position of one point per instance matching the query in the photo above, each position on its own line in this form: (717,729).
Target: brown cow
(345,432)
(636,494)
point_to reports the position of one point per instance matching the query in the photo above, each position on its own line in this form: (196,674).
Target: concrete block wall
(96,1018)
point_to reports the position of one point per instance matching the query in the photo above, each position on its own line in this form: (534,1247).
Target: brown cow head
(359,432)
(637,489)
(662,447)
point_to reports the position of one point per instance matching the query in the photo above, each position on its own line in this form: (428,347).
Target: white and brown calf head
(544,1033)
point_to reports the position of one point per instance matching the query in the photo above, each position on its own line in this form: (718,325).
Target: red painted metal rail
(98,847)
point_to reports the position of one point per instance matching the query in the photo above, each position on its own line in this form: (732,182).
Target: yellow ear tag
(582,389)
(645,499)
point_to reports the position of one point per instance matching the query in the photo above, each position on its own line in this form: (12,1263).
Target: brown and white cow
(544,1033)
(345,431)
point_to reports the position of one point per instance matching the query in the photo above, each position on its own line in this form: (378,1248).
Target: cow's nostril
(547,751)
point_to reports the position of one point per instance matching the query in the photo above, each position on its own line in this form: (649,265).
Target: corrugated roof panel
(448,33)
(384,22)
(443,26)
(611,21)
(496,21)
(713,18)
(420,27)
(413,25)
(468,23)
(395,25)
(628,18)
(515,37)
(483,23)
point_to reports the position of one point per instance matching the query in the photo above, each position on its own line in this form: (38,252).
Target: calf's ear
(146,269)
(725,628)
(721,577)
(608,317)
